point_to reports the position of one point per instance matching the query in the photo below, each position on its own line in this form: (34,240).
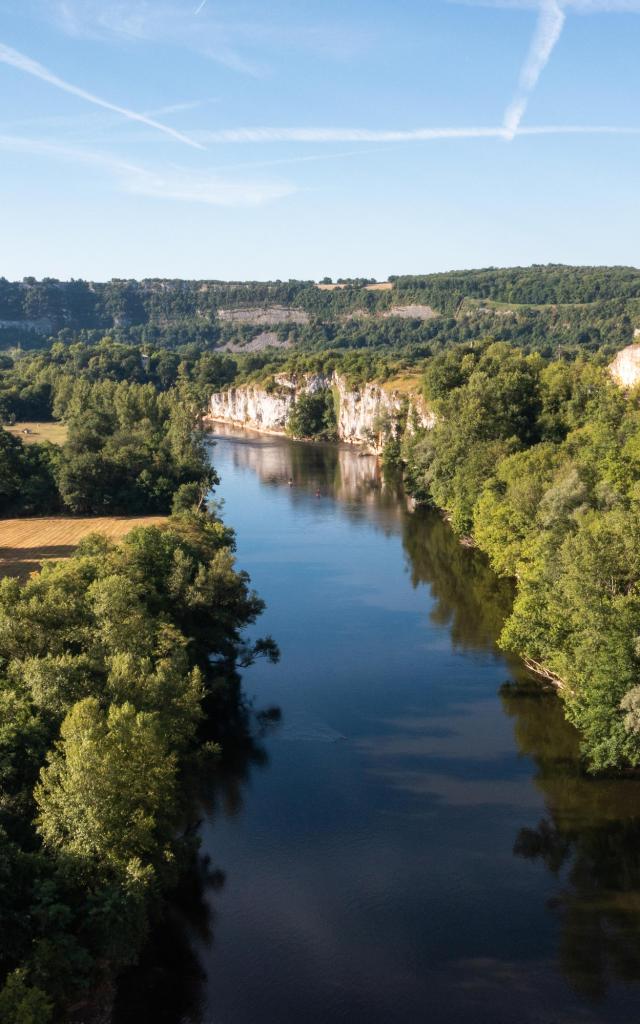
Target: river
(411,839)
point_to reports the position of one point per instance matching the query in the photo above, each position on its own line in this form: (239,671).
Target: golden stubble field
(36,433)
(26,543)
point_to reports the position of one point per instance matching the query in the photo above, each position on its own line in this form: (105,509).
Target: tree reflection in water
(589,839)
(469,598)
(166,986)
(590,836)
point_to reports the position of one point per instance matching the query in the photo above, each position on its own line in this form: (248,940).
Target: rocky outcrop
(366,415)
(252,407)
(266,339)
(625,368)
(413,312)
(262,409)
(264,315)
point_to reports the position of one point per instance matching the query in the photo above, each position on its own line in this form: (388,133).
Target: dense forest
(539,461)
(545,307)
(116,666)
(117,674)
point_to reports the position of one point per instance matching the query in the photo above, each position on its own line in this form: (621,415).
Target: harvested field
(26,543)
(38,432)
(378,286)
(407,384)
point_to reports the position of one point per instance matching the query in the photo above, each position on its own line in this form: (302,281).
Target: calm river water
(413,841)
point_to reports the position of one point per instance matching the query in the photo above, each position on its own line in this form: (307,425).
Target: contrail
(359,135)
(31,67)
(347,134)
(200,6)
(548,31)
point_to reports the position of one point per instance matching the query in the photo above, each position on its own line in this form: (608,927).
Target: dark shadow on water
(589,840)
(469,598)
(167,985)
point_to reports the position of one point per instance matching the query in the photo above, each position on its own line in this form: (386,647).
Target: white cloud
(549,26)
(240,37)
(213,190)
(29,66)
(178,184)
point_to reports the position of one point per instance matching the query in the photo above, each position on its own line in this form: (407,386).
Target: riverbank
(366,861)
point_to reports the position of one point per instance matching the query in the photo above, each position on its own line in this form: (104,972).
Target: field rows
(26,543)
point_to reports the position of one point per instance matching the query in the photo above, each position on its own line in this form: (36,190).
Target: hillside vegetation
(546,305)
(540,462)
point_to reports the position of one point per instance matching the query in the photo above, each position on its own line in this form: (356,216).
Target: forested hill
(86,304)
(536,306)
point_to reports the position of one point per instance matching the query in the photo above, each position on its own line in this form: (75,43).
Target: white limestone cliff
(625,368)
(364,414)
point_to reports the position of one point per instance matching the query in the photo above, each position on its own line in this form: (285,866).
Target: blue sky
(296,139)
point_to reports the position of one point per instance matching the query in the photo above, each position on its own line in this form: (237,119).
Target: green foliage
(129,451)
(27,477)
(21,1003)
(313,415)
(108,791)
(109,663)
(540,463)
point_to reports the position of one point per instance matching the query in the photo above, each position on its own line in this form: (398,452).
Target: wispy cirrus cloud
(21,62)
(243,40)
(172,183)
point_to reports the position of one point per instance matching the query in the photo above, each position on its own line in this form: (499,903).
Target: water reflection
(424,844)
(312,471)
(167,986)
(468,597)
(589,839)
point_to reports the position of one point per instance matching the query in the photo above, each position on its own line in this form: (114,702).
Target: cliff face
(364,414)
(251,407)
(367,412)
(264,315)
(625,368)
(259,409)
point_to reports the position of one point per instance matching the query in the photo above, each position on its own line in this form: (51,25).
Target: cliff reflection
(589,840)
(351,477)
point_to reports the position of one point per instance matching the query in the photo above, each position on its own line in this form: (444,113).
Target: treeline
(122,303)
(115,669)
(554,284)
(130,450)
(540,462)
(170,307)
(37,385)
